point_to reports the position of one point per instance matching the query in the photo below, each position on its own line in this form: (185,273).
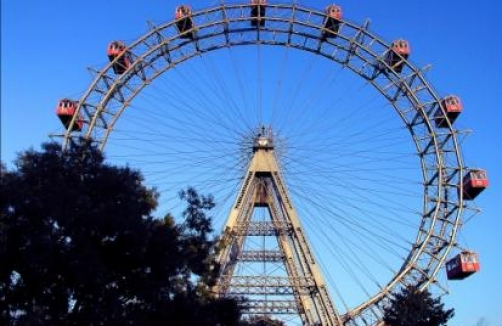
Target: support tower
(263,252)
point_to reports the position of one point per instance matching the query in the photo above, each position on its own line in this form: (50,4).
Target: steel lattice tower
(268,260)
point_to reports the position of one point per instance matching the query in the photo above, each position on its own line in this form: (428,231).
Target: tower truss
(299,287)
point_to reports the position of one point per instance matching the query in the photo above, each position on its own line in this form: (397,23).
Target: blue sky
(47,46)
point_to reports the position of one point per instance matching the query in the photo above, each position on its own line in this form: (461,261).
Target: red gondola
(452,106)
(261,197)
(462,265)
(117,49)
(258,10)
(474,182)
(65,110)
(332,22)
(184,22)
(397,54)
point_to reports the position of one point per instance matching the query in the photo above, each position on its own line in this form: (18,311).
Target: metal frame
(354,47)
(304,279)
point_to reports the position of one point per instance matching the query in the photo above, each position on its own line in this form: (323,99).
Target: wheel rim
(355,48)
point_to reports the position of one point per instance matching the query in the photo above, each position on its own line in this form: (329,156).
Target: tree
(79,246)
(260,320)
(412,307)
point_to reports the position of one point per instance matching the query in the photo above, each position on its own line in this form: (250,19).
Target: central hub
(263,139)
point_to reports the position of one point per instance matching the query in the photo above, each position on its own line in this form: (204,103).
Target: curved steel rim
(354,47)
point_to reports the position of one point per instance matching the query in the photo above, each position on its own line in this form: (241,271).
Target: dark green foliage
(78,246)
(412,307)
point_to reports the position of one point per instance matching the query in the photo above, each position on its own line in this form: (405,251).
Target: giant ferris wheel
(335,166)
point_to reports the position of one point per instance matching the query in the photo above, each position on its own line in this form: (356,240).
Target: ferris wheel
(366,148)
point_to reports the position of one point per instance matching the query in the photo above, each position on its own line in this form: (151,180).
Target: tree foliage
(412,307)
(79,246)
(260,320)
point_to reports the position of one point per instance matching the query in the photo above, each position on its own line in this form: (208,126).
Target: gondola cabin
(474,182)
(332,22)
(258,8)
(117,50)
(261,197)
(462,265)
(397,54)
(450,109)
(65,111)
(184,22)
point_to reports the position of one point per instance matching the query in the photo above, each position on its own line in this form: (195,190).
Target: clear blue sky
(46,47)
